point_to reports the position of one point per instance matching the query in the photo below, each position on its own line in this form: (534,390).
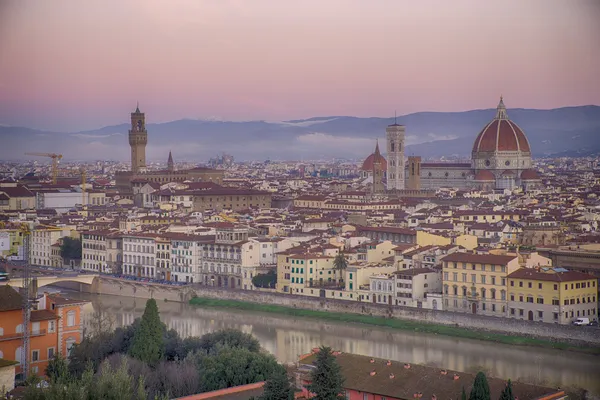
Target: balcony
(14,336)
(473,296)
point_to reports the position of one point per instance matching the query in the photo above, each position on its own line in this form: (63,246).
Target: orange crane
(55,160)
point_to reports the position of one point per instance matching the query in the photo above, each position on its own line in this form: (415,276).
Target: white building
(42,240)
(138,255)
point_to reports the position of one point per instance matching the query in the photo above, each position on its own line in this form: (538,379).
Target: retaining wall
(563,333)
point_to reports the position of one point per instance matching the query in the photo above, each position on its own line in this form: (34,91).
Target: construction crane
(55,160)
(27,303)
(83,182)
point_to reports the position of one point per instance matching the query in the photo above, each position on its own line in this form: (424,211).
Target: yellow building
(545,295)
(308,270)
(15,240)
(476,283)
(430,239)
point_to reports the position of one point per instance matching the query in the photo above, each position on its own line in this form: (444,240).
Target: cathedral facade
(500,159)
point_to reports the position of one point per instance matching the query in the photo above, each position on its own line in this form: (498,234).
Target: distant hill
(568,130)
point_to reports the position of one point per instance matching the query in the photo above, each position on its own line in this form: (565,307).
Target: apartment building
(311,270)
(551,295)
(477,283)
(139,252)
(185,256)
(42,240)
(230,259)
(406,288)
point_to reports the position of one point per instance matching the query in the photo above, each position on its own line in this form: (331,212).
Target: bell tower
(138,138)
(395,156)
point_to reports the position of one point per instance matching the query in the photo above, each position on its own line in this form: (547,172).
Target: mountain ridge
(566,130)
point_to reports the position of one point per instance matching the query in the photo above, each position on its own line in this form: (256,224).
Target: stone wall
(573,334)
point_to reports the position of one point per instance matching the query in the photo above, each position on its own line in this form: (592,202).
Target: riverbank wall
(507,326)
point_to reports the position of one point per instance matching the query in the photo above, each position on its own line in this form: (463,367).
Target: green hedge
(414,326)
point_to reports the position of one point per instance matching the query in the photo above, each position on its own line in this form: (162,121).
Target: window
(540,300)
(51,326)
(35,355)
(35,327)
(539,285)
(50,353)
(71,318)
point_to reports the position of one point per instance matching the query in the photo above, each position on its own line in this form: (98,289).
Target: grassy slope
(394,323)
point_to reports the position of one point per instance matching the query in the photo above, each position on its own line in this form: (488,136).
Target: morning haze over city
(278,199)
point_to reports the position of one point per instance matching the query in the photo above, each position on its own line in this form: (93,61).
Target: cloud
(429,137)
(95,135)
(302,123)
(326,144)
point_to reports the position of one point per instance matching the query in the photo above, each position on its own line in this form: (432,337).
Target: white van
(581,321)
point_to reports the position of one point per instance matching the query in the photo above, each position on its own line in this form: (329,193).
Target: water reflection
(288,337)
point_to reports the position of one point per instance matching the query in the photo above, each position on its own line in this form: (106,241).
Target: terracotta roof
(533,274)
(10,299)
(242,392)
(63,301)
(396,381)
(529,174)
(444,165)
(387,229)
(484,175)
(501,135)
(369,161)
(42,315)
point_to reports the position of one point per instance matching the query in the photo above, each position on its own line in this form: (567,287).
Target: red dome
(484,175)
(501,134)
(368,163)
(530,175)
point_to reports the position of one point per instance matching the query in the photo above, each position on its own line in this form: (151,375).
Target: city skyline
(72,67)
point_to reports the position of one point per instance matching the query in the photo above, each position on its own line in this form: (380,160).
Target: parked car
(593,323)
(581,321)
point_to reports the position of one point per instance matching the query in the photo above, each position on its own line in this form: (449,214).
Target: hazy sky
(73,64)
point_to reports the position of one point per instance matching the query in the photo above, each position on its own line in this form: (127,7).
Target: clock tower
(138,138)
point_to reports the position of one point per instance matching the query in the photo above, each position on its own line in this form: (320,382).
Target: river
(289,337)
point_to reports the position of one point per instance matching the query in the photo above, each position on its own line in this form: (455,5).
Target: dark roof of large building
(479,258)
(534,274)
(405,381)
(10,299)
(42,315)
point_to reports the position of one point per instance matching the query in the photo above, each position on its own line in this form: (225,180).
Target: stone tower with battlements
(138,139)
(395,156)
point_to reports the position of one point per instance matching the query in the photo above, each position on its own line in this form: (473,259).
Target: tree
(148,341)
(507,393)
(268,280)
(58,370)
(340,264)
(481,389)
(463,396)
(327,380)
(70,248)
(233,367)
(278,386)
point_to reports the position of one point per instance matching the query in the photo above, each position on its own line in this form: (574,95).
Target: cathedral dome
(484,176)
(530,175)
(501,135)
(369,161)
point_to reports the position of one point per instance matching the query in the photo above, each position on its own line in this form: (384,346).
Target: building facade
(395,156)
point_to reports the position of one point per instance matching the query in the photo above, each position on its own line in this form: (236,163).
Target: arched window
(19,355)
(20,328)
(70,343)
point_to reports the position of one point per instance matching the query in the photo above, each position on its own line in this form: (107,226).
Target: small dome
(501,134)
(484,176)
(368,163)
(530,175)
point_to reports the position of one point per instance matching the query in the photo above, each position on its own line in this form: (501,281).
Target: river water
(289,337)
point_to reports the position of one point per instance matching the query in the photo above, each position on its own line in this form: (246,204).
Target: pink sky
(73,64)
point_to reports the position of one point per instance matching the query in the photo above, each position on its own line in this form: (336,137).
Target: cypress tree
(326,379)
(464,394)
(507,393)
(148,340)
(481,388)
(278,387)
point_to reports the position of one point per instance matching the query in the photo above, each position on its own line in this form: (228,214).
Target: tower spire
(137,108)
(170,164)
(395,116)
(377,153)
